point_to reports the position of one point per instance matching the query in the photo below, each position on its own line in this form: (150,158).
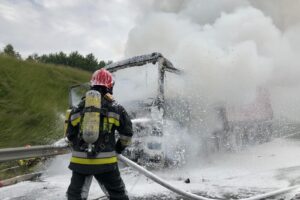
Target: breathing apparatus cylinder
(91,119)
(67,116)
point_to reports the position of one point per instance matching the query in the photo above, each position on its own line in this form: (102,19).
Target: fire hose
(190,195)
(50,150)
(159,180)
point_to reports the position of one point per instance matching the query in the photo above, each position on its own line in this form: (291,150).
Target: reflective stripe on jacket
(100,159)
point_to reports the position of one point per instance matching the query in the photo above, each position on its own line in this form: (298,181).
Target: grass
(33,99)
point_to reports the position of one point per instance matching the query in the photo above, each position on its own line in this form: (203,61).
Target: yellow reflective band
(75,121)
(105,119)
(67,116)
(97,161)
(125,142)
(105,124)
(113,121)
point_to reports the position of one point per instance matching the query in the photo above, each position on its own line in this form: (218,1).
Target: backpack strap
(109,97)
(100,143)
(102,111)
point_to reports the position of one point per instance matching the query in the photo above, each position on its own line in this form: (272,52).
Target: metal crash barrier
(18,153)
(51,150)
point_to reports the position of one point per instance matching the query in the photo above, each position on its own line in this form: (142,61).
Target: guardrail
(18,153)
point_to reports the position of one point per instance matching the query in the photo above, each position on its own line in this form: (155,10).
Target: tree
(101,64)
(74,59)
(34,58)
(9,51)
(62,58)
(91,63)
(30,58)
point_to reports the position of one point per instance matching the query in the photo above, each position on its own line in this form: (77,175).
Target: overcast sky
(100,27)
(90,26)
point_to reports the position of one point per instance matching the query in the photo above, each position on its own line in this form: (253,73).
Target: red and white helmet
(102,77)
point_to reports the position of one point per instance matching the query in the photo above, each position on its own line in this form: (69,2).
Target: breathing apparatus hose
(190,195)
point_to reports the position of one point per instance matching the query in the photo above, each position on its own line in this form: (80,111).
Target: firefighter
(99,158)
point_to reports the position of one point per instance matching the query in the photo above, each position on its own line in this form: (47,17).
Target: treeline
(74,59)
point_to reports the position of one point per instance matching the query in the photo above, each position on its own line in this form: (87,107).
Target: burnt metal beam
(142,60)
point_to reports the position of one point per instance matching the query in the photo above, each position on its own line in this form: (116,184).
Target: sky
(43,26)
(103,26)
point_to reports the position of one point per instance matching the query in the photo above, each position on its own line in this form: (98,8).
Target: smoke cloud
(227,49)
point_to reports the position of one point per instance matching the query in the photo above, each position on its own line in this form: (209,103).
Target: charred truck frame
(146,148)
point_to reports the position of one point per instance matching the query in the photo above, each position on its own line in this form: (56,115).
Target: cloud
(100,27)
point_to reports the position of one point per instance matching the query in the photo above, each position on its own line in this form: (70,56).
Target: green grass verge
(33,99)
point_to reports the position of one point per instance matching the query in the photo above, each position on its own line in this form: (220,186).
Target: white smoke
(226,48)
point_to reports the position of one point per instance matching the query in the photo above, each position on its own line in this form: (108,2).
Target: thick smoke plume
(226,48)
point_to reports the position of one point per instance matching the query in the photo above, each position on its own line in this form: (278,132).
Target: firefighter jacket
(113,117)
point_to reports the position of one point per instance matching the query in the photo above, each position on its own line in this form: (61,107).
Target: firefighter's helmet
(102,77)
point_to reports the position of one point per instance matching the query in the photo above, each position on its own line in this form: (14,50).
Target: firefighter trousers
(111,182)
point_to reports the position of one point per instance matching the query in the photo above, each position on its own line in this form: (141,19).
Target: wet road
(265,168)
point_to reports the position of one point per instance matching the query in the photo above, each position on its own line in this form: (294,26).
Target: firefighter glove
(119,147)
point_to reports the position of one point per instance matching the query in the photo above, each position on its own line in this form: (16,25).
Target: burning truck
(240,125)
(149,116)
